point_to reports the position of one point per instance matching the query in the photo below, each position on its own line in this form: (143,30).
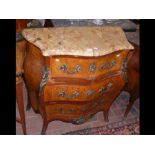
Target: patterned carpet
(131,127)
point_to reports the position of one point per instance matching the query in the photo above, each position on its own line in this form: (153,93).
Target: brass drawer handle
(113,62)
(76,69)
(62,94)
(89,92)
(92,67)
(62,111)
(103,89)
(75,94)
(108,65)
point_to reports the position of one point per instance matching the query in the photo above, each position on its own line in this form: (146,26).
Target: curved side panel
(33,71)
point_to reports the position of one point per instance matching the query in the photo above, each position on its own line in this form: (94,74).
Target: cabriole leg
(105,114)
(44,127)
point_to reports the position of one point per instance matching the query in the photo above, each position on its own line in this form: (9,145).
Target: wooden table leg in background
(20,103)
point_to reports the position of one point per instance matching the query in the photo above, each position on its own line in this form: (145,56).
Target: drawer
(73,112)
(77,92)
(78,113)
(85,67)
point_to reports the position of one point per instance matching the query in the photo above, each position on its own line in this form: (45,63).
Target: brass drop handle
(108,65)
(65,69)
(75,94)
(103,89)
(92,67)
(90,92)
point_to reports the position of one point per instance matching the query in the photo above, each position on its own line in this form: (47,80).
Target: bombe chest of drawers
(74,72)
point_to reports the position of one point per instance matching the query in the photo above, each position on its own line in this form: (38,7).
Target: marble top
(80,41)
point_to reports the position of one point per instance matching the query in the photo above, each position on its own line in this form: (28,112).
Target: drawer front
(66,92)
(76,113)
(86,68)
